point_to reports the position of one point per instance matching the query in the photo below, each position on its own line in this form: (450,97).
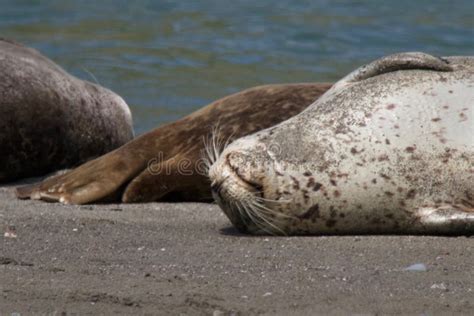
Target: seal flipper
(452,219)
(161,179)
(25,192)
(395,62)
(87,183)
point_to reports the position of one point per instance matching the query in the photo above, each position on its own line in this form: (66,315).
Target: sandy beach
(186,259)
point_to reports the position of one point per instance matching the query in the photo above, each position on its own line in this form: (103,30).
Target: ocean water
(168,58)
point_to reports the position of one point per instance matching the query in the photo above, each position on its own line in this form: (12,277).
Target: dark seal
(50,120)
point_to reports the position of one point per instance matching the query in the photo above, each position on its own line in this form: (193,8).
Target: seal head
(383,151)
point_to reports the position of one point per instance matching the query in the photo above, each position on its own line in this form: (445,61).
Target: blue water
(168,58)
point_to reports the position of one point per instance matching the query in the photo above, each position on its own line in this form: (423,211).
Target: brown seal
(165,163)
(51,120)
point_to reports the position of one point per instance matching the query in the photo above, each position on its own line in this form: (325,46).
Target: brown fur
(126,169)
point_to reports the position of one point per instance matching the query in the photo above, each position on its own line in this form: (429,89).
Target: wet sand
(186,259)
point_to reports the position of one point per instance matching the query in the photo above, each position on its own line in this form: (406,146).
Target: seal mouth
(234,175)
(242,199)
(233,192)
(249,184)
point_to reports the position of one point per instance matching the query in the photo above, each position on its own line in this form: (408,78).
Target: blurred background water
(168,58)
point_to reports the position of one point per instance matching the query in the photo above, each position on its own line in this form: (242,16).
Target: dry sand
(186,259)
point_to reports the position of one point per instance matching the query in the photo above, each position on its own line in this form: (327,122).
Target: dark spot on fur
(450,91)
(383,158)
(400,189)
(387,141)
(374,181)
(331,223)
(410,149)
(296,183)
(389,194)
(312,212)
(386,177)
(305,195)
(411,194)
(390,106)
(317,186)
(337,193)
(342,215)
(396,126)
(333,182)
(278,173)
(436,119)
(307,174)
(332,212)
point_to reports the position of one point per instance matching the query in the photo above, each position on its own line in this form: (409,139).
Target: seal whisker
(207,153)
(250,215)
(90,74)
(270,211)
(242,212)
(261,199)
(228,141)
(258,219)
(216,141)
(268,216)
(214,145)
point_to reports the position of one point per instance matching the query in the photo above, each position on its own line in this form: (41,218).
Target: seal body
(168,163)
(389,149)
(50,120)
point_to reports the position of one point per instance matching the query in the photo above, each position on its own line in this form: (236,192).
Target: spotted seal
(166,163)
(50,120)
(388,149)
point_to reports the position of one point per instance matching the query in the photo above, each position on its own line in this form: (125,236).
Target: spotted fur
(389,149)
